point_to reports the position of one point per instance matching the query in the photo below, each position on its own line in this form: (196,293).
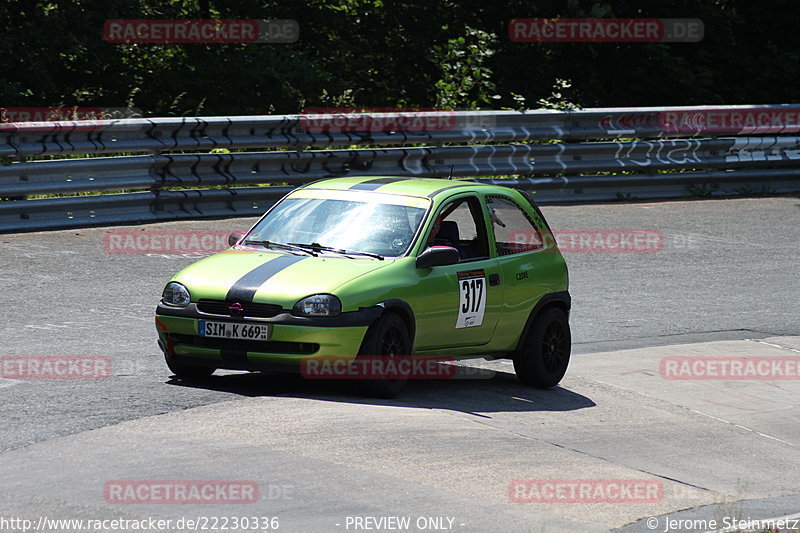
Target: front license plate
(227,330)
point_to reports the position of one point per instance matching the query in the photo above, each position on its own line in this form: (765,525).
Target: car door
(459,305)
(528,265)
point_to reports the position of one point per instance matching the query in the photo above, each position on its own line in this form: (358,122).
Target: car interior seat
(448,233)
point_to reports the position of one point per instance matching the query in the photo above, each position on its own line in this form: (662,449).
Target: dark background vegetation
(375,53)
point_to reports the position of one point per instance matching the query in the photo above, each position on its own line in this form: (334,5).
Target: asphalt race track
(447,455)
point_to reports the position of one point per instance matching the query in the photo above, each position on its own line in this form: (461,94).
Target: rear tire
(387,337)
(544,356)
(188,371)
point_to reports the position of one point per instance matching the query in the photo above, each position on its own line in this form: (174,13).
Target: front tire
(188,371)
(387,337)
(544,356)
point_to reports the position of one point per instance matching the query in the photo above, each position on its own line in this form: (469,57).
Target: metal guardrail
(704,150)
(139,207)
(155,135)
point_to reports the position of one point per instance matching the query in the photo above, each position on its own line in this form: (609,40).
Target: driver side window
(460,225)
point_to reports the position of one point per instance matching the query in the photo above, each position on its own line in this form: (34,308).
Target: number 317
(473,292)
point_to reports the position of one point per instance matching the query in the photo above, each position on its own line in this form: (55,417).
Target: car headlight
(176,294)
(318,305)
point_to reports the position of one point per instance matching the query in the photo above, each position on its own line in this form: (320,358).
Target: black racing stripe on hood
(371,185)
(246,287)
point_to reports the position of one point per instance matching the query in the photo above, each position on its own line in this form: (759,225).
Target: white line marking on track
(8,382)
(743,427)
(698,412)
(775,345)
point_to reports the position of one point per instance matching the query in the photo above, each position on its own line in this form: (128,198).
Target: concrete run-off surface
(446,448)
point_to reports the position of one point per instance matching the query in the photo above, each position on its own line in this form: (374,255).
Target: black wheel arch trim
(561,297)
(405,308)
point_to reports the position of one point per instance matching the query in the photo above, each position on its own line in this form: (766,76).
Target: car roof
(420,187)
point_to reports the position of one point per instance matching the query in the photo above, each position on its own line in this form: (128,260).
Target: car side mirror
(235,237)
(438,256)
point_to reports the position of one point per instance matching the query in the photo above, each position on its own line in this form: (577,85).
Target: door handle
(494,280)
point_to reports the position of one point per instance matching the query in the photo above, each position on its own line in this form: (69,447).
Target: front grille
(221,307)
(299,348)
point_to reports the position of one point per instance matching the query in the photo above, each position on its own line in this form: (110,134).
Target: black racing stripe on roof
(371,185)
(246,287)
(437,191)
(310,183)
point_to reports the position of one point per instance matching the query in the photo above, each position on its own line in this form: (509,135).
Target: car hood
(270,277)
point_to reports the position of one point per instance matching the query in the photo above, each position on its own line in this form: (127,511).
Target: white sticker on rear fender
(471,299)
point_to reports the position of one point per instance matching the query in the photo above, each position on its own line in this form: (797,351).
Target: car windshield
(354,225)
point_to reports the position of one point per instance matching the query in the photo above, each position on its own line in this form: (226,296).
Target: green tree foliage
(385,53)
(466,79)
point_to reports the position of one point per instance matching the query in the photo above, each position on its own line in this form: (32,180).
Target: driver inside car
(445,232)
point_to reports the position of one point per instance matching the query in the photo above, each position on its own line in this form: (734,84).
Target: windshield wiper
(317,247)
(270,244)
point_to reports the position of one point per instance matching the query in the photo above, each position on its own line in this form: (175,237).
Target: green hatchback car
(388,267)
